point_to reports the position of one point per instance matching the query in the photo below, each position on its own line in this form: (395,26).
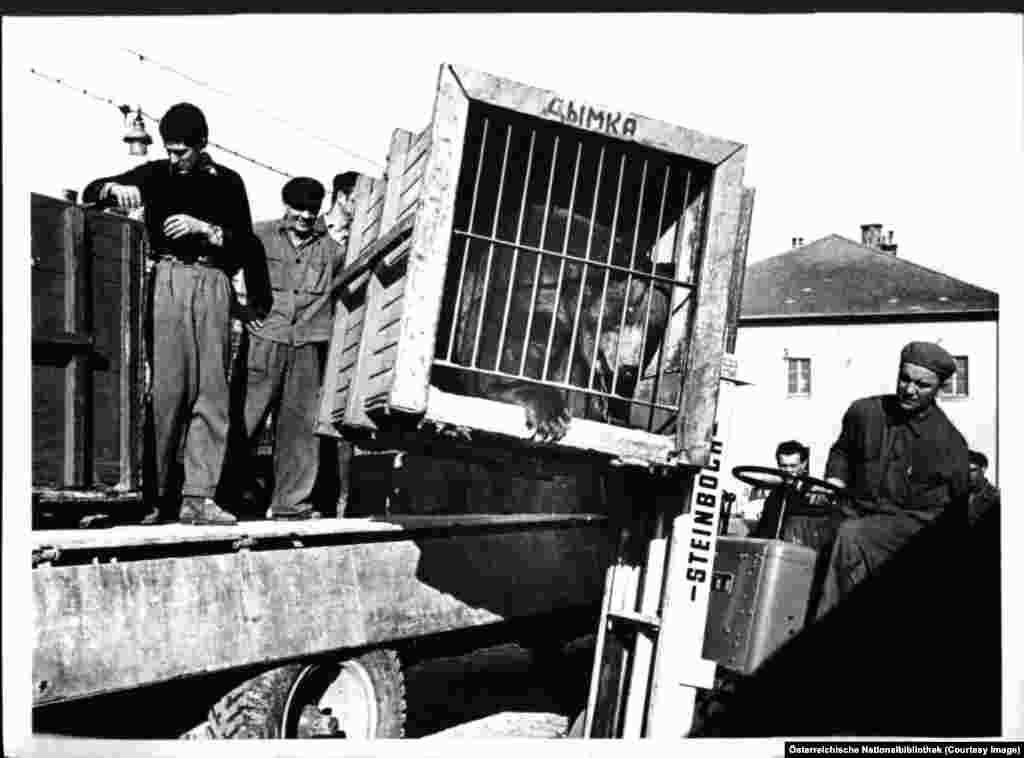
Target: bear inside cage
(572,261)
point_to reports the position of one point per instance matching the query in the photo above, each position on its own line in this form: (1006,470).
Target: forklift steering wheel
(763,476)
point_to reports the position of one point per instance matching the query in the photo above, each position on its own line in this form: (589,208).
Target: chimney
(794,241)
(888,246)
(797,242)
(871,235)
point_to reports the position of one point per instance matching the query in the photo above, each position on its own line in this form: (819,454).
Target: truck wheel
(359,698)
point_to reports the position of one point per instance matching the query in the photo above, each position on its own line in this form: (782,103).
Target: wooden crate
(87,351)
(444,201)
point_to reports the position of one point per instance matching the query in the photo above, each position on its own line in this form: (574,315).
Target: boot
(204,511)
(304,512)
(152,518)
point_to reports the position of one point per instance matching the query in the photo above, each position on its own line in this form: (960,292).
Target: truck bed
(132,605)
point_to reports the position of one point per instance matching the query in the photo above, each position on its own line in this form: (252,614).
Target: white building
(823,324)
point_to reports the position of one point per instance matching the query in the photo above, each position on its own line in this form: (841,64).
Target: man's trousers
(190,355)
(288,377)
(861,546)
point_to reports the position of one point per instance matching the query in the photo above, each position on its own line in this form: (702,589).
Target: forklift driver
(808,521)
(904,464)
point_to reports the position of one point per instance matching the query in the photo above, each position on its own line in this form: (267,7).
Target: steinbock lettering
(595,119)
(704,511)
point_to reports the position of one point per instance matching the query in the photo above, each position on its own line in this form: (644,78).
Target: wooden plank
(397,156)
(414,171)
(48,307)
(113,626)
(739,268)
(329,386)
(630,446)
(137,385)
(412,179)
(372,227)
(351,529)
(707,341)
(430,242)
(361,205)
(554,106)
(422,142)
(409,206)
(48,427)
(355,412)
(78,384)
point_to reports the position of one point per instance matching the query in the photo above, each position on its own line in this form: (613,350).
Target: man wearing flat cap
(903,462)
(287,349)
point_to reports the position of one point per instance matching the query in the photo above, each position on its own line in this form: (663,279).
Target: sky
(907,121)
(911,121)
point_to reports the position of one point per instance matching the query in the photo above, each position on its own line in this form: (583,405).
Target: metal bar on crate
(629,276)
(650,295)
(586,269)
(515,253)
(561,265)
(490,248)
(568,257)
(607,272)
(546,383)
(540,258)
(465,246)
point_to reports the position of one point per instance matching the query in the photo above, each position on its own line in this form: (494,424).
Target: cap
(930,356)
(303,194)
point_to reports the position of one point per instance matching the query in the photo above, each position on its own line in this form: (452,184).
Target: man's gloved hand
(818,496)
(822,496)
(181,224)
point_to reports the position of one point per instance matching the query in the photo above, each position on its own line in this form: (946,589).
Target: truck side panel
(109,626)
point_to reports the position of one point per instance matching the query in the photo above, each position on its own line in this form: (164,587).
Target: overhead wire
(109,101)
(143,58)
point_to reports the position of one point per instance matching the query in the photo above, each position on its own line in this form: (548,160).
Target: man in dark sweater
(904,463)
(200,232)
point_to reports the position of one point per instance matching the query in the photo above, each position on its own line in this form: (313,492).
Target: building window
(956,385)
(799,376)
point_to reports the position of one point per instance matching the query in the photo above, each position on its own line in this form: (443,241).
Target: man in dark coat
(200,232)
(904,463)
(983,494)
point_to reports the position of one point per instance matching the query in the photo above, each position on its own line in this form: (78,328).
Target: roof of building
(837,277)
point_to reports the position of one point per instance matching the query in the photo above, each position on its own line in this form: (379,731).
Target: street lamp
(137,137)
